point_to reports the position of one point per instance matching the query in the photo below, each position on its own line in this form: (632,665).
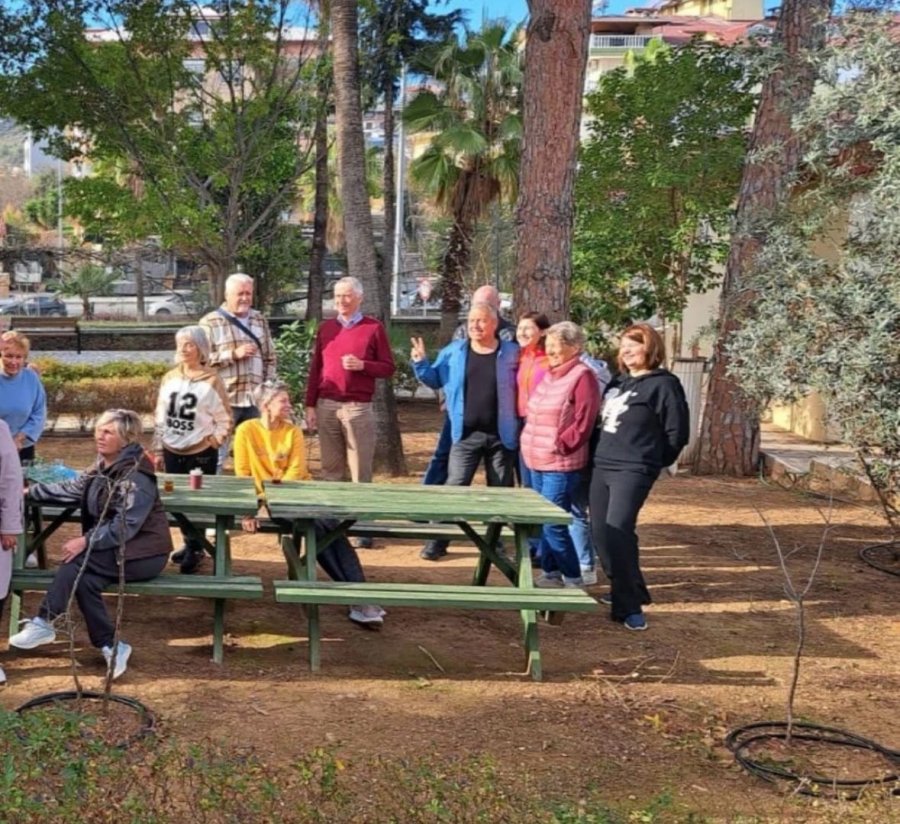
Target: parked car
(48,305)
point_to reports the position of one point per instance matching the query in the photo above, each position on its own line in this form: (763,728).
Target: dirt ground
(632,716)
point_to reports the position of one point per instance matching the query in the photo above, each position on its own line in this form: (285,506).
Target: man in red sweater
(351,352)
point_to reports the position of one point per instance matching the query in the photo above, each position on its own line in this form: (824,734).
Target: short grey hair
(267,390)
(197,336)
(236,279)
(127,423)
(568,333)
(485,307)
(354,283)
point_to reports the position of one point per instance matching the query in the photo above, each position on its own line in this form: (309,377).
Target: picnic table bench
(48,326)
(222,499)
(477,513)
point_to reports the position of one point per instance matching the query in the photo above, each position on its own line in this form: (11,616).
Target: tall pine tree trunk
(454,267)
(315,287)
(555,60)
(361,259)
(729,434)
(315,290)
(390,197)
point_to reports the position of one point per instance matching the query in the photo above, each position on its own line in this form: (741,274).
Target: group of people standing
(525,401)
(592,444)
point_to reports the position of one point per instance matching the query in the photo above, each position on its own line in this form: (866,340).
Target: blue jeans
(580,529)
(438,466)
(560,488)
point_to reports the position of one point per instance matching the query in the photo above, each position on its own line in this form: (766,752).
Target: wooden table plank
(380,501)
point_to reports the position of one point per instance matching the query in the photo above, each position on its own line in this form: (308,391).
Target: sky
(514,10)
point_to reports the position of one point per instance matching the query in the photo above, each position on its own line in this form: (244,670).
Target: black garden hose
(872,556)
(148,720)
(740,739)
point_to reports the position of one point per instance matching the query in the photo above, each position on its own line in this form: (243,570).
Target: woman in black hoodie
(120,508)
(644,424)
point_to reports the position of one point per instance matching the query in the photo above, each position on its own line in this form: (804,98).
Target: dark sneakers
(433,551)
(635,622)
(363,543)
(178,557)
(191,560)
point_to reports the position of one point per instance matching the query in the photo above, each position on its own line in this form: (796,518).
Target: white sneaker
(31,561)
(573,583)
(121,658)
(367,615)
(2,676)
(549,580)
(35,633)
(588,576)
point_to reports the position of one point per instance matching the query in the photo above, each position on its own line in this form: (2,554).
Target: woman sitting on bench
(120,508)
(271,448)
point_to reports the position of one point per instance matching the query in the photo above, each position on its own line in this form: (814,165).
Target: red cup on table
(196,478)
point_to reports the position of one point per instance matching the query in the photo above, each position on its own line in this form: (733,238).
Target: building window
(196,66)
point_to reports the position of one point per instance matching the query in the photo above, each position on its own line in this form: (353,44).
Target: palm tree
(473,157)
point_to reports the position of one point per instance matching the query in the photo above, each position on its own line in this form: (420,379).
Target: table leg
(483,568)
(221,566)
(312,610)
(218,630)
(529,616)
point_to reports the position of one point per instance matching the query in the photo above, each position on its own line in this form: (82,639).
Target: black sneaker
(363,543)
(178,557)
(433,552)
(191,560)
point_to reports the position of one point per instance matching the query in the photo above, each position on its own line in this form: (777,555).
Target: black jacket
(644,423)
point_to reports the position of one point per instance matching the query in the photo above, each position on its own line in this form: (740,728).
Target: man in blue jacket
(478,376)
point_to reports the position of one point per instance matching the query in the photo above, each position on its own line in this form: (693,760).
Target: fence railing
(621,41)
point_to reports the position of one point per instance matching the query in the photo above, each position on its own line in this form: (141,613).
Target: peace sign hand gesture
(418,349)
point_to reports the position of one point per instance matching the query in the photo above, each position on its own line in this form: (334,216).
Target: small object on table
(168,485)
(196,478)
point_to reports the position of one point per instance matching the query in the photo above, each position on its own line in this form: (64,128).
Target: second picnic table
(479,512)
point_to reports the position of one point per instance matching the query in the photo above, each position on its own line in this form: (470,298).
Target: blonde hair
(267,391)
(14,338)
(127,423)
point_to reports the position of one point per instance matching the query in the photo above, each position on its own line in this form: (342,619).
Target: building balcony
(620,42)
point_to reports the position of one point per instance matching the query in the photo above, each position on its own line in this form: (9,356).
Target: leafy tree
(556,50)
(43,208)
(473,158)
(192,114)
(826,314)
(729,435)
(657,183)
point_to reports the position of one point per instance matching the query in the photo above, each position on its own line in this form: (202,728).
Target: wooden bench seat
(42,326)
(552,602)
(434,595)
(178,586)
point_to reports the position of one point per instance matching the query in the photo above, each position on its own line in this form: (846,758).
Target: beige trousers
(346,440)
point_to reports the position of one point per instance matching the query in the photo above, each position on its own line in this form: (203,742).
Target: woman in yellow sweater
(272,448)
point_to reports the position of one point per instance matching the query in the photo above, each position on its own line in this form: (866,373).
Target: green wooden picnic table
(479,512)
(224,498)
